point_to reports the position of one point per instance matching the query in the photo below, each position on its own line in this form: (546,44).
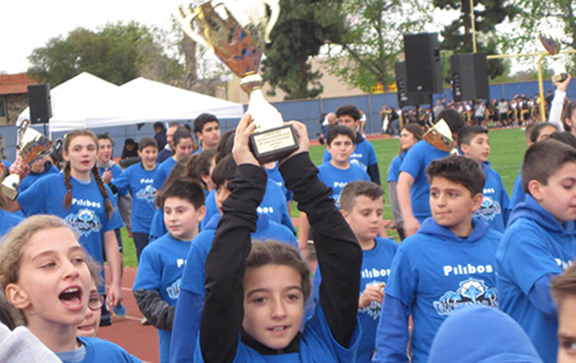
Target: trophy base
(273,144)
(559,78)
(10,186)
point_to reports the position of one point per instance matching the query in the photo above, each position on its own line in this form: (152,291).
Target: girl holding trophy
(79,196)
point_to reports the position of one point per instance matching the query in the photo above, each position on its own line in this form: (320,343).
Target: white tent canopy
(142,100)
(74,100)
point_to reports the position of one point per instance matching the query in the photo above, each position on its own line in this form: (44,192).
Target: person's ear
(17,296)
(201,213)
(477,202)
(345,215)
(465,149)
(535,189)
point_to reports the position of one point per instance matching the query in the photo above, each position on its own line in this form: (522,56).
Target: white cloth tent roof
(142,100)
(74,99)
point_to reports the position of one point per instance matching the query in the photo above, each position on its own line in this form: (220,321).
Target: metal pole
(473,25)
(370,112)
(541,87)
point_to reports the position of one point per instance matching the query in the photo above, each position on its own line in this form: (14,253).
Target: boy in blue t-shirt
(335,174)
(138,179)
(362,206)
(157,284)
(449,263)
(413,187)
(191,301)
(474,143)
(207,131)
(539,243)
(363,154)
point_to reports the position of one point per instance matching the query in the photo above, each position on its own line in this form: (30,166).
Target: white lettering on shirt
(468,269)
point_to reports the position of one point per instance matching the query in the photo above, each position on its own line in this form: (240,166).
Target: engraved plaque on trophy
(237,30)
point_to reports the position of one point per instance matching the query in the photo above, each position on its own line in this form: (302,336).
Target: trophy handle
(23,126)
(186,17)
(274,14)
(57,145)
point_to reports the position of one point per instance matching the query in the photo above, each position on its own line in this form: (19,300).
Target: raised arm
(223,311)
(338,251)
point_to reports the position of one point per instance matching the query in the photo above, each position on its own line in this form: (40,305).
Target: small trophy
(237,30)
(440,136)
(32,146)
(552,47)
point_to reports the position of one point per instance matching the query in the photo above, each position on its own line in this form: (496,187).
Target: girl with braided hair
(79,196)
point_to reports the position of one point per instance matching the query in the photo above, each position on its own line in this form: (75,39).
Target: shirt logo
(173,290)
(375,308)
(489,209)
(84,222)
(470,292)
(148,194)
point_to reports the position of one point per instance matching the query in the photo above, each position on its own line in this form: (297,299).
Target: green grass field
(508,148)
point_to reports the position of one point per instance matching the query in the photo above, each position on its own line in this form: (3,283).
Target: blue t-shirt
(376,265)
(337,179)
(534,245)
(160,270)
(194,272)
(275,176)
(518,194)
(158,227)
(394,170)
(435,272)
(33,177)
(162,172)
(495,207)
(139,181)
(7,221)
(316,345)
(274,205)
(99,350)
(87,215)
(417,160)
(363,155)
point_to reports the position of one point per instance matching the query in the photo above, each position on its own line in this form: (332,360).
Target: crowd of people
(224,275)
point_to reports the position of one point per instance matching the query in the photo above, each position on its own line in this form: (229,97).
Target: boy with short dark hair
(363,154)
(157,284)
(518,194)
(474,143)
(449,263)
(191,301)
(207,131)
(362,206)
(138,179)
(539,242)
(564,294)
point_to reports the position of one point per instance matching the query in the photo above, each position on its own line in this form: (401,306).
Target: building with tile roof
(13,96)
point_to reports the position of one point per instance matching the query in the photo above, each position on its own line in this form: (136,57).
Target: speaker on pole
(423,66)
(470,76)
(40,103)
(404,97)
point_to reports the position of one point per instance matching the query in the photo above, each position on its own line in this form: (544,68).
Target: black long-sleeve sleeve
(338,251)
(223,312)
(374,173)
(157,311)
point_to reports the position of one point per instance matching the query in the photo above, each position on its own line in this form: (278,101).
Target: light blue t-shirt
(435,272)
(160,270)
(139,182)
(96,350)
(162,172)
(534,245)
(394,170)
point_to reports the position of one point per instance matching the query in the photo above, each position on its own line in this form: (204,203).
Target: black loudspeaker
(404,97)
(40,103)
(470,76)
(423,66)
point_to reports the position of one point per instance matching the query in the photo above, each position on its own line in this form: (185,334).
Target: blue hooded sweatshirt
(495,207)
(433,273)
(535,247)
(466,337)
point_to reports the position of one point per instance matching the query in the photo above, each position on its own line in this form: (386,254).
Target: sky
(29,24)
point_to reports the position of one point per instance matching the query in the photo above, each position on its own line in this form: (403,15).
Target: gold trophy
(237,30)
(32,146)
(552,47)
(440,136)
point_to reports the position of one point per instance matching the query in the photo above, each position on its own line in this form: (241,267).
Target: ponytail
(108,206)
(68,184)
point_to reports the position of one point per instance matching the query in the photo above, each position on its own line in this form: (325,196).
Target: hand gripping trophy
(32,146)
(237,30)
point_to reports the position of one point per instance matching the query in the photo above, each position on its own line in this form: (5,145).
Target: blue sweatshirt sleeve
(186,326)
(392,332)
(541,298)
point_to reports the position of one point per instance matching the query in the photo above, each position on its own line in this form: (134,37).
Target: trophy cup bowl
(553,48)
(237,31)
(440,136)
(32,146)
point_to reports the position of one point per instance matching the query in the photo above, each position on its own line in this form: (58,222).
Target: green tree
(117,53)
(458,34)
(372,42)
(303,27)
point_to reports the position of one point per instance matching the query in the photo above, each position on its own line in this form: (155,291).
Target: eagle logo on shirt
(173,290)
(471,292)
(375,308)
(148,194)
(489,209)
(84,222)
